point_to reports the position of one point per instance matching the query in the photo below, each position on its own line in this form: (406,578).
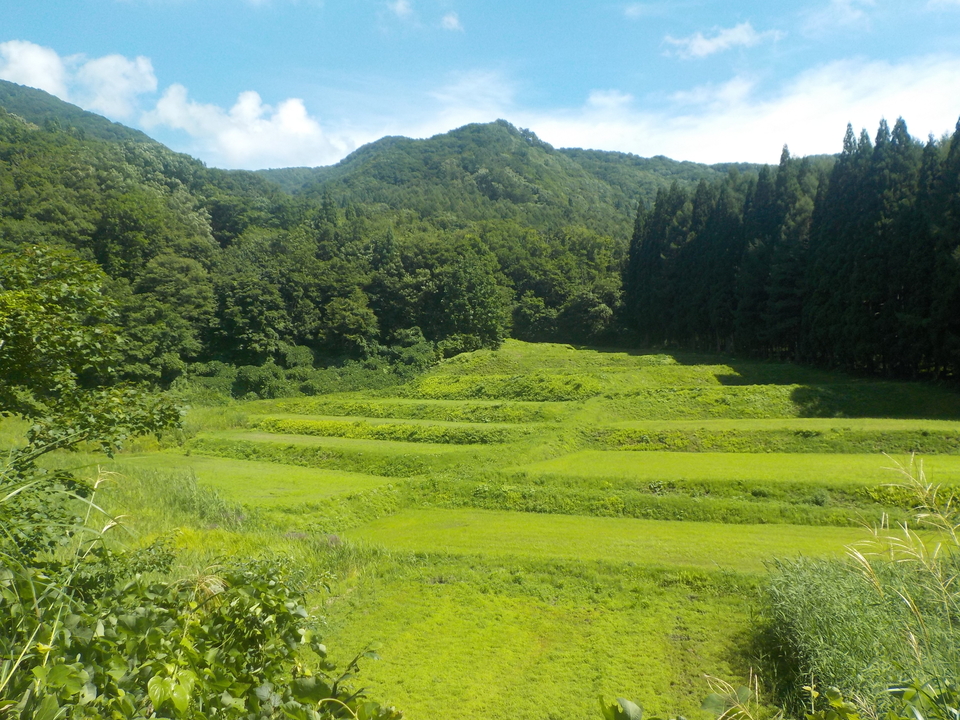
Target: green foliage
(408,432)
(932,700)
(623,709)
(44,109)
(536,387)
(86,629)
(220,646)
(810,261)
(496,171)
(58,357)
(487,412)
(781,440)
(885,614)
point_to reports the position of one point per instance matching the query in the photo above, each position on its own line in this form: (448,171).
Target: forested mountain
(496,171)
(409,250)
(855,265)
(214,270)
(44,109)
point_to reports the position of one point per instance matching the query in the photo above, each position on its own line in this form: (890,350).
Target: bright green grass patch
(537,386)
(667,467)
(785,435)
(811,424)
(418,431)
(718,502)
(489,411)
(385,447)
(740,548)
(516,357)
(256,483)
(371,457)
(503,642)
(540,385)
(873,399)
(12,433)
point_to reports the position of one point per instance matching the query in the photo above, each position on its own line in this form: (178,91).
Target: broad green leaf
(180,697)
(157,691)
(49,709)
(715,704)
(631,711)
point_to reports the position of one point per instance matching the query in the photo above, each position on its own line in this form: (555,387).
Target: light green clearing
(759,467)
(515,357)
(818,424)
(258,483)
(453,650)
(741,548)
(381,447)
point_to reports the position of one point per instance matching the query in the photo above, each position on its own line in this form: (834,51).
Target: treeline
(223,275)
(853,265)
(408,251)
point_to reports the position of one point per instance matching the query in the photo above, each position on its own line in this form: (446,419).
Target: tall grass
(888,613)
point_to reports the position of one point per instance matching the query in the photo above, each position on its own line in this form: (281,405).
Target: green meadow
(522,530)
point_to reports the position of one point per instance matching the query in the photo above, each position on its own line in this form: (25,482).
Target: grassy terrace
(525,529)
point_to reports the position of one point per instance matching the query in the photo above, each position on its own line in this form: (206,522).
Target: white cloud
(401,8)
(698,45)
(837,15)
(108,85)
(111,84)
(640,10)
(451,21)
(251,134)
(608,99)
(479,96)
(24,63)
(734,122)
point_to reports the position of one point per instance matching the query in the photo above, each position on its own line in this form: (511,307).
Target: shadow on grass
(823,393)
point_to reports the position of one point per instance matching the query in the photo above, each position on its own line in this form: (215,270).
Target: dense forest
(305,280)
(378,272)
(852,266)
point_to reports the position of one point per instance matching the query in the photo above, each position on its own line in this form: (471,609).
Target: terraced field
(538,525)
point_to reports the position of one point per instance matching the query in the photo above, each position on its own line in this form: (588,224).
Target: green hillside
(486,171)
(44,109)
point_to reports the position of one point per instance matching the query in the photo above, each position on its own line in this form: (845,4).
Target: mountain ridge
(477,172)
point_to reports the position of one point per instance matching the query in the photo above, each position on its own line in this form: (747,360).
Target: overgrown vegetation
(882,620)
(89,629)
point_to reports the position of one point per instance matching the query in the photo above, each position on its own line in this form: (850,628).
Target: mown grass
(523,638)
(482,638)
(784,436)
(418,431)
(738,503)
(490,411)
(257,484)
(642,542)
(838,400)
(709,468)
(371,457)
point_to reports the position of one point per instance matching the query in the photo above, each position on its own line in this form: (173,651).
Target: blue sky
(273,83)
